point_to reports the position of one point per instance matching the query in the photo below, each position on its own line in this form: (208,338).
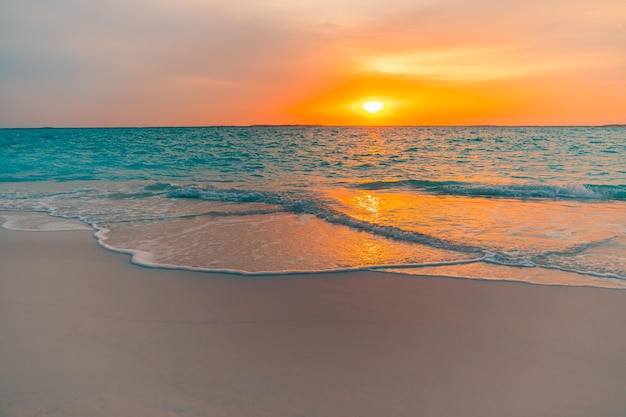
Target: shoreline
(26,221)
(85,332)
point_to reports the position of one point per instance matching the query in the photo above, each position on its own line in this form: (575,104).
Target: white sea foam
(534,275)
(516,190)
(39,222)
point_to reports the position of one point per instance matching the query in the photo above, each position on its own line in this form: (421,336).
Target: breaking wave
(582,192)
(298,203)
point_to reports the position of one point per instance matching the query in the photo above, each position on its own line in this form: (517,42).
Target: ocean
(544,205)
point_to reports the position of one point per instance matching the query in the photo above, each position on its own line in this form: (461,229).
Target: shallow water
(543,205)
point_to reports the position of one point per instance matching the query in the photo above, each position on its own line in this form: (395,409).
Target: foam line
(582,192)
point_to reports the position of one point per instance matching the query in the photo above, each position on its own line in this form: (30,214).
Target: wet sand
(85,332)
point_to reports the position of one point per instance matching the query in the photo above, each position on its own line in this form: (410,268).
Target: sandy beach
(83,332)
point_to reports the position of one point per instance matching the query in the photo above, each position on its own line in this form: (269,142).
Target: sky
(82,63)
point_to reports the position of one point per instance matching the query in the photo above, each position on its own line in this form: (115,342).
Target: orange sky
(199,62)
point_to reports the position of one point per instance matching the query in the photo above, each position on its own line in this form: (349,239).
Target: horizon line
(304,125)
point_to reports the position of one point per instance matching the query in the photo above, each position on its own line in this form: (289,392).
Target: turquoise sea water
(535,204)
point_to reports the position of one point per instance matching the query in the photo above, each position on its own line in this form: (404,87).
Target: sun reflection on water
(367,202)
(513,227)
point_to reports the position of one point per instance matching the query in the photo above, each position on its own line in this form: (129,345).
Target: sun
(373,107)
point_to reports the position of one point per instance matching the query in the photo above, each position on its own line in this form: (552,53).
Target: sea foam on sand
(84,332)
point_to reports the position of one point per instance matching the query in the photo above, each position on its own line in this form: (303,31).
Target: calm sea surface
(534,204)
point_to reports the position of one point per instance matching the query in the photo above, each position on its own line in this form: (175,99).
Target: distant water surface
(534,204)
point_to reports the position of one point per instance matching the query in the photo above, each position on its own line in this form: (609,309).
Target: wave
(306,203)
(583,192)
(196,215)
(93,207)
(298,203)
(147,259)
